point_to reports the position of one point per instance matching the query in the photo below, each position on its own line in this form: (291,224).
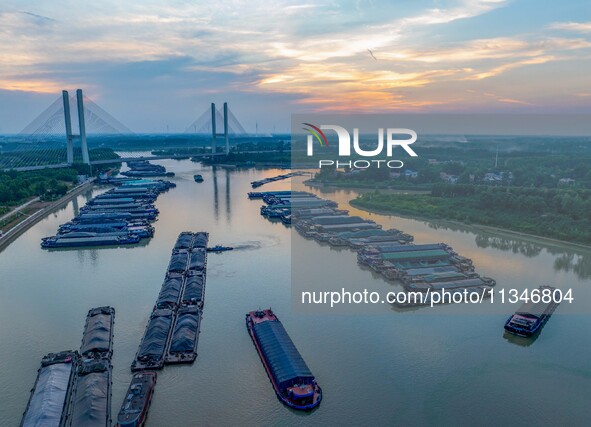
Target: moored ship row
(425,268)
(121,216)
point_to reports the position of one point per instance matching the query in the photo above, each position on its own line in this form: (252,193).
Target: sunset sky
(158,63)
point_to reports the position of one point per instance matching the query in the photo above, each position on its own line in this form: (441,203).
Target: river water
(414,367)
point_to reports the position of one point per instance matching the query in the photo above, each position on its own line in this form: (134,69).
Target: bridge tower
(214,133)
(81,125)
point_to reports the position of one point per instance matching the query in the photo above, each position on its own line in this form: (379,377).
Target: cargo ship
(292,380)
(134,409)
(76,242)
(530,317)
(51,395)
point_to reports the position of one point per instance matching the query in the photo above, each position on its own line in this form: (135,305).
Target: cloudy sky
(154,64)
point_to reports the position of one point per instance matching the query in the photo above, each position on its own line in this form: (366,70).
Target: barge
(170,292)
(292,380)
(194,289)
(91,403)
(185,335)
(135,407)
(51,395)
(531,317)
(97,339)
(151,352)
(77,242)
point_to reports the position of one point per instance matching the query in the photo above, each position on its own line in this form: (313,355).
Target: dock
(261,182)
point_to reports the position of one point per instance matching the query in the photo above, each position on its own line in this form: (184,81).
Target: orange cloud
(38,86)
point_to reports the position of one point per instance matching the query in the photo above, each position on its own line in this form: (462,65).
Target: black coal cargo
(186,330)
(193,292)
(184,240)
(98,331)
(197,260)
(178,262)
(170,291)
(200,240)
(156,335)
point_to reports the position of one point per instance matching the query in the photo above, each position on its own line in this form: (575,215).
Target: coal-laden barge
(292,380)
(531,317)
(91,401)
(172,333)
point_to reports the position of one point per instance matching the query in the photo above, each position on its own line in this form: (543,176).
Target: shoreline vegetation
(559,215)
(38,212)
(487,228)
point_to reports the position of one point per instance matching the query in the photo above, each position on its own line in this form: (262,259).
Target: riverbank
(389,190)
(41,210)
(481,227)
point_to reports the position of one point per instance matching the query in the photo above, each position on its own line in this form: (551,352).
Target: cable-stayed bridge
(53,139)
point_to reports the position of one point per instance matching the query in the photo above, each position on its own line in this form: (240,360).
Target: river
(384,367)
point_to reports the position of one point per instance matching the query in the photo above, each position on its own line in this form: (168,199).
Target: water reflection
(522,247)
(568,259)
(216,198)
(580,264)
(228,202)
(521,341)
(76,206)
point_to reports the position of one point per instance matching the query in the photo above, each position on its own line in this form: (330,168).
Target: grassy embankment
(553,213)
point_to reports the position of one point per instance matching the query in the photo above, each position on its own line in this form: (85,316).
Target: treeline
(575,204)
(47,183)
(555,213)
(470,166)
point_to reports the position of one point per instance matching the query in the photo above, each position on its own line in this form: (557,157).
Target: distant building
(410,173)
(452,179)
(498,177)
(566,181)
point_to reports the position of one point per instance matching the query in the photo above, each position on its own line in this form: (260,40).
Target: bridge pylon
(70,137)
(214,133)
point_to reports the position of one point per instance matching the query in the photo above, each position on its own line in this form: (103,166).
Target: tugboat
(219,248)
(292,380)
(530,317)
(134,409)
(198,178)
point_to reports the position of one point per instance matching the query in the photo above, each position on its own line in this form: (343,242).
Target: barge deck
(292,380)
(51,395)
(531,317)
